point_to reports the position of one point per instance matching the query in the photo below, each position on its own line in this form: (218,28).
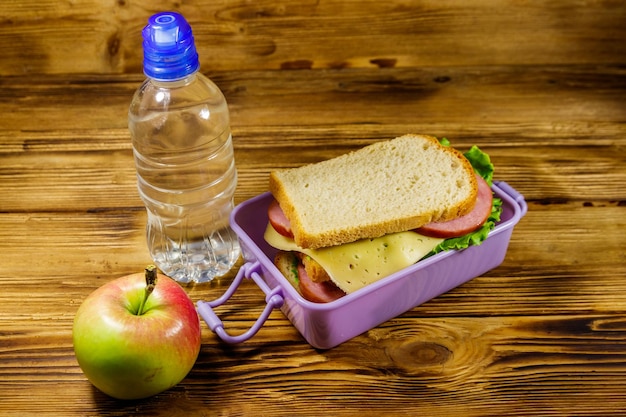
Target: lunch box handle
(514,194)
(273,299)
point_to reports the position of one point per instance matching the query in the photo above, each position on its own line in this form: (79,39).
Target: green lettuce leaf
(482,166)
(481,163)
(474,238)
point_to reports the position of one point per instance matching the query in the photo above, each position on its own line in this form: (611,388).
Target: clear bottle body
(186,176)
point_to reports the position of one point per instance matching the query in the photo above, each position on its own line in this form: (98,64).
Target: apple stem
(151,278)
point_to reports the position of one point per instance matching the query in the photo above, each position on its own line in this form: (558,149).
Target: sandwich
(344,223)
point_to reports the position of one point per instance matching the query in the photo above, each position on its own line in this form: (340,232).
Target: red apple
(137,336)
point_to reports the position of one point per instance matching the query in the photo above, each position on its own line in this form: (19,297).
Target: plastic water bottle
(186,176)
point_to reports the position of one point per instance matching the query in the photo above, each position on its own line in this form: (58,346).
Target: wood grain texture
(104,37)
(540,86)
(563,113)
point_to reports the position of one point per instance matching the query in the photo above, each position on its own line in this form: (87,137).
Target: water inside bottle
(191,249)
(187,177)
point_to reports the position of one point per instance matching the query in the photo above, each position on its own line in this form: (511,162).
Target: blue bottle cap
(169,51)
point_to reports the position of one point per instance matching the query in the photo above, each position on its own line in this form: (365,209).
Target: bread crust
(375,190)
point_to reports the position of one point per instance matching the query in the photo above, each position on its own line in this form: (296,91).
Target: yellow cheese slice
(354,265)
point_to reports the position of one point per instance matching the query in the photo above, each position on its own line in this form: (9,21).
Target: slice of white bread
(387,187)
(287,264)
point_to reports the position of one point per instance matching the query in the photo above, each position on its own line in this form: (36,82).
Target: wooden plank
(103,37)
(66,255)
(392,96)
(541,318)
(82,159)
(83,180)
(475,366)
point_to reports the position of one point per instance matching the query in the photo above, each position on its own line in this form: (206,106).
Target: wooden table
(540,88)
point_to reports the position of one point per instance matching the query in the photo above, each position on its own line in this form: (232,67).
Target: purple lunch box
(329,324)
